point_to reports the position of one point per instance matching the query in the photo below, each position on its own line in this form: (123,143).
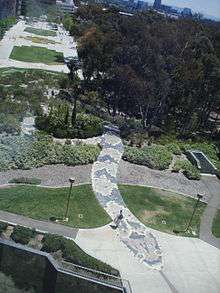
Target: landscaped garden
(36,55)
(53,244)
(45,203)
(162,210)
(40,40)
(216,225)
(40,32)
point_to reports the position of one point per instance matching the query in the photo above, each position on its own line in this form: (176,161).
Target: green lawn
(36,55)
(42,203)
(216,225)
(40,32)
(162,210)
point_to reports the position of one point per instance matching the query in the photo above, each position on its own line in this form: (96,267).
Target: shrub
(189,170)
(88,125)
(174,148)
(22,234)
(155,157)
(26,154)
(52,243)
(80,155)
(3,226)
(71,252)
(26,180)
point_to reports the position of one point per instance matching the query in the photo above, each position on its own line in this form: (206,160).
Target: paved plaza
(16,36)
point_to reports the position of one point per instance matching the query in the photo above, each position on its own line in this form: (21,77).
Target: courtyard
(108,178)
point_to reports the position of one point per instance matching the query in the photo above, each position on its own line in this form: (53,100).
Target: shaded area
(40,32)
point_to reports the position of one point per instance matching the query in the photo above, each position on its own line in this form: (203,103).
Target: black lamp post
(71,180)
(199,197)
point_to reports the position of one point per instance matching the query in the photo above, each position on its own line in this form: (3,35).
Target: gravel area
(58,175)
(135,174)
(51,175)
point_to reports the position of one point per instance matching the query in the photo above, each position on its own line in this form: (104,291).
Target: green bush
(25,153)
(174,148)
(155,157)
(52,243)
(88,125)
(26,180)
(80,155)
(58,123)
(22,234)
(3,226)
(71,252)
(189,170)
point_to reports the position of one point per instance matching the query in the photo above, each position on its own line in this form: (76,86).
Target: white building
(67,6)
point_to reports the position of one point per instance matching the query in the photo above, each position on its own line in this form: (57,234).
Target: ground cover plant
(36,55)
(189,170)
(216,224)
(40,32)
(162,210)
(43,203)
(40,40)
(26,180)
(71,252)
(155,157)
(22,234)
(5,24)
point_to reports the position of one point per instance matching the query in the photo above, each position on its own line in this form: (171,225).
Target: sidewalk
(45,227)
(209,214)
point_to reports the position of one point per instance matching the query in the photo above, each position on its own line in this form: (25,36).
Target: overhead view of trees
(162,71)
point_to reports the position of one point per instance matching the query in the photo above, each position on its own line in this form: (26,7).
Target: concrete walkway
(131,232)
(209,213)
(42,226)
(15,37)
(190,264)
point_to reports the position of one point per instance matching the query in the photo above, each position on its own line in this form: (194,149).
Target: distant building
(157,4)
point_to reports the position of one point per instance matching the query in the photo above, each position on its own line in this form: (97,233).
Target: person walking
(117,220)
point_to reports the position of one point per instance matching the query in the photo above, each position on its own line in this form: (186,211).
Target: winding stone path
(131,232)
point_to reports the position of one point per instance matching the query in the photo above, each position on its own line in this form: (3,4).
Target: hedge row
(21,153)
(155,157)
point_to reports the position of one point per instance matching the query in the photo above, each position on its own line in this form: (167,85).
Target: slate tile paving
(134,235)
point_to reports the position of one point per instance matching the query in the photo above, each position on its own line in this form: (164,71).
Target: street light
(71,180)
(199,197)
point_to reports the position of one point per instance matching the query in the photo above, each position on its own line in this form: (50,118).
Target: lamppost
(71,180)
(199,197)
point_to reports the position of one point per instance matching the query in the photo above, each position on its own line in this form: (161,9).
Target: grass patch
(43,203)
(40,32)
(216,225)
(40,40)
(36,55)
(162,210)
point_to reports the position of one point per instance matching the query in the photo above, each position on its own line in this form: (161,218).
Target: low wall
(36,270)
